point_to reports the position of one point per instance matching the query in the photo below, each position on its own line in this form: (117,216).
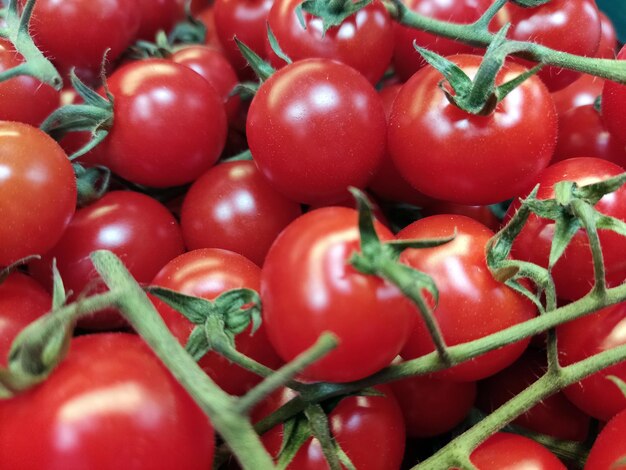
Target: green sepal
(91,183)
(195,309)
(593,192)
(529,3)
(621,385)
(161,48)
(7,270)
(458,80)
(610,223)
(261,68)
(333,13)
(197,344)
(343,457)
(59,296)
(275,46)
(244,156)
(565,227)
(245,90)
(318,422)
(370,242)
(189,31)
(296,432)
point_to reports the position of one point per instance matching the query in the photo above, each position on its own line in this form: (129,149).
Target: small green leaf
(503,90)
(245,90)
(195,309)
(592,193)
(197,344)
(320,429)
(275,46)
(296,432)
(333,13)
(529,3)
(239,307)
(396,247)
(370,242)
(566,226)
(58,289)
(458,80)
(605,222)
(262,68)
(343,457)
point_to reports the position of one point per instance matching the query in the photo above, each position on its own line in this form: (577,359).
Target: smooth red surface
(158,15)
(315,128)
(472,304)
(513,452)
(169,124)
(109,404)
(455,156)
(363,41)
(571,26)
(583,91)
(613,103)
(406,60)
(553,416)
(370,430)
(207,273)
(233,207)
(37,192)
(308,287)
(610,446)
(573,273)
(608,40)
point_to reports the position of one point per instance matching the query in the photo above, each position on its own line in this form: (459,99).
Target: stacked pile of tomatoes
(181,217)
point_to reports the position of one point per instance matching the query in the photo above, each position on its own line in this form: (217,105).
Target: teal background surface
(616,10)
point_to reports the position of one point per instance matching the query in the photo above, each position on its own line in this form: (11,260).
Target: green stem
(220,407)
(586,214)
(485,19)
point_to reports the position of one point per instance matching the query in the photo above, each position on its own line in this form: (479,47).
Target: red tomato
(215,68)
(609,448)
(513,452)
(554,416)
(583,133)
(135,227)
(22,301)
(158,15)
(316,127)
(452,155)
(109,404)
(583,91)
(406,60)
(207,16)
(65,31)
(482,214)
(308,287)
(613,102)
(23,98)
(608,39)
(431,406)
(370,431)
(364,40)
(246,19)
(169,124)
(573,273)
(472,304)
(37,190)
(233,207)
(590,335)
(208,273)
(566,25)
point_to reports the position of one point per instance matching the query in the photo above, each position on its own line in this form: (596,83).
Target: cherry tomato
(313,116)
(65,32)
(482,214)
(406,60)
(135,227)
(431,406)
(573,273)
(233,207)
(582,133)
(22,301)
(363,41)
(592,334)
(613,102)
(37,190)
(608,40)
(207,16)
(358,424)
(308,287)
(23,98)
(109,404)
(566,25)
(472,304)
(215,68)
(158,15)
(608,450)
(513,452)
(502,153)
(246,19)
(554,416)
(169,124)
(582,92)
(208,273)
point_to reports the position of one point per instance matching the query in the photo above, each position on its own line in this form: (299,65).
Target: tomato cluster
(187,211)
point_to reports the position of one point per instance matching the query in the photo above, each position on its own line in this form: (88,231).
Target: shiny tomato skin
(364,41)
(613,102)
(158,15)
(608,40)
(207,16)
(207,273)
(571,26)
(169,124)
(406,60)
(37,192)
(134,226)
(431,406)
(233,207)
(308,287)
(246,19)
(109,404)
(554,416)
(582,133)
(22,301)
(513,452)
(55,27)
(583,91)
(449,154)
(370,430)
(609,448)
(472,304)
(315,128)
(482,214)
(23,98)
(584,337)
(573,273)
